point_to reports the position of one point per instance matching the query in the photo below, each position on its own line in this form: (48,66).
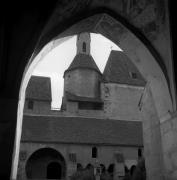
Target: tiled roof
(73,97)
(83,61)
(39,88)
(119,68)
(81,130)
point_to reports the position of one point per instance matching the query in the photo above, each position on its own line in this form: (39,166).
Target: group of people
(137,172)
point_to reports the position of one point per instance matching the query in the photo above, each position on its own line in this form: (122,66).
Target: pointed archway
(158,88)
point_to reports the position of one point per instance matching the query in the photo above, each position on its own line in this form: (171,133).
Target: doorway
(54,170)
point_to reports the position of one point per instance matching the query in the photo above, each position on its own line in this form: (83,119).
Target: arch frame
(133,46)
(47,151)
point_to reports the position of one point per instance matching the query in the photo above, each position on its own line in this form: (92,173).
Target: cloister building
(98,123)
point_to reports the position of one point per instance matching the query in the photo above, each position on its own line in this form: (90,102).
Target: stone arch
(45,163)
(134,48)
(79,167)
(89,166)
(132,169)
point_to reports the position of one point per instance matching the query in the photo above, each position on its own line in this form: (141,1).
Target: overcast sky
(58,60)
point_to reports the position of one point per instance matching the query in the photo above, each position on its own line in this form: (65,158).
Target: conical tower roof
(83,58)
(83,61)
(120,69)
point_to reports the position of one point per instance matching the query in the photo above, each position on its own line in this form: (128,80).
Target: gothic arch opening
(111,169)
(45,163)
(79,167)
(131,45)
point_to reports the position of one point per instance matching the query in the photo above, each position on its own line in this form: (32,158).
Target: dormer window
(84,47)
(30,104)
(133,75)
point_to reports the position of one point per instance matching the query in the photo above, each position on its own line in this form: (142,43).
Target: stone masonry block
(166,126)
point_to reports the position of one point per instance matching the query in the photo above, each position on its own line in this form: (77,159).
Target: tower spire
(83,43)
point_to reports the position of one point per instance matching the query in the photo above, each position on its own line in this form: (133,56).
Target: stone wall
(39,107)
(42,108)
(121,101)
(82,82)
(106,155)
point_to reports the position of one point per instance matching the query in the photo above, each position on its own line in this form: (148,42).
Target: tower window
(84,47)
(94,152)
(30,104)
(139,152)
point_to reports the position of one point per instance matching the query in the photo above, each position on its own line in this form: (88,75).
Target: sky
(58,60)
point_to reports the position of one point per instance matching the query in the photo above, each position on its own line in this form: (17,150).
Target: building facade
(98,124)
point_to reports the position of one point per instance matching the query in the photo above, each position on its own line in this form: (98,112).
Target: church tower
(83,43)
(82,78)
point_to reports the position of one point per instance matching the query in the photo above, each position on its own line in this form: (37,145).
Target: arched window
(54,170)
(139,152)
(94,152)
(84,47)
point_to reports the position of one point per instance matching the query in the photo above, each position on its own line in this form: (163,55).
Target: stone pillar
(21,172)
(97,170)
(71,169)
(151,137)
(8,119)
(119,171)
(169,144)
